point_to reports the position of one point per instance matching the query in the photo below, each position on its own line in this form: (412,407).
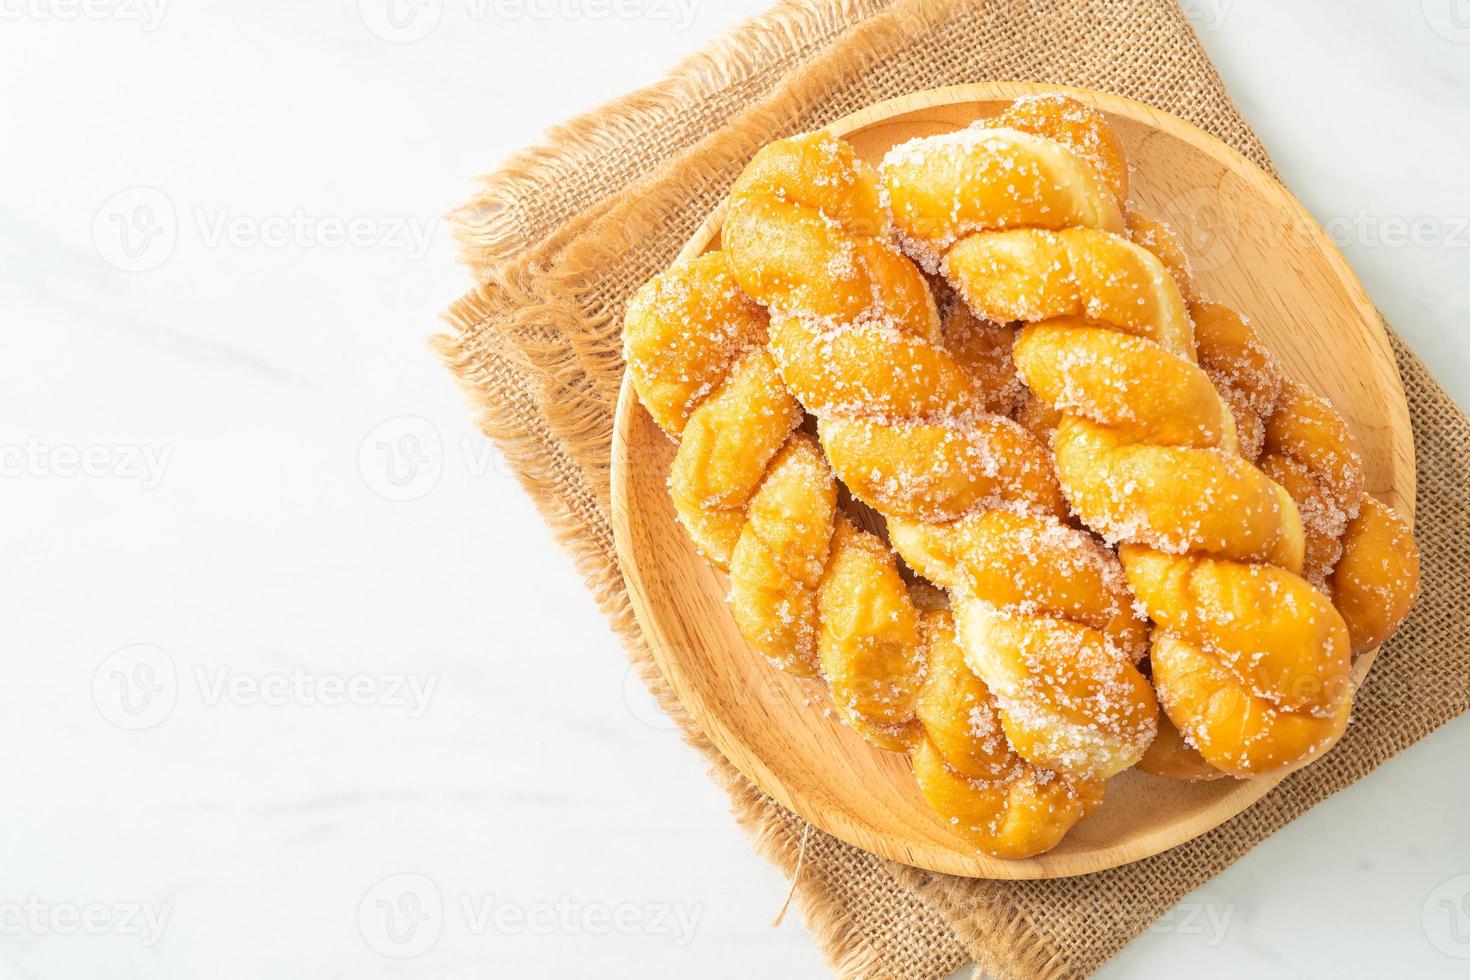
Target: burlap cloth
(561,235)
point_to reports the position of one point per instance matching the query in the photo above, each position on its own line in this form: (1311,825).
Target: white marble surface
(245,688)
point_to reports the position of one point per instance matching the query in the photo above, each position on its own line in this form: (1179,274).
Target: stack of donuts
(1117,535)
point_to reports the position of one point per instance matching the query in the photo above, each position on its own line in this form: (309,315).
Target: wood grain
(1255,248)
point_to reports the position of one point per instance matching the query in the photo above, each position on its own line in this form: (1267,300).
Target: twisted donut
(809,589)
(1025,218)
(1358,550)
(970,497)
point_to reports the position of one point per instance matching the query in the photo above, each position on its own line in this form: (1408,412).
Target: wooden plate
(1256,248)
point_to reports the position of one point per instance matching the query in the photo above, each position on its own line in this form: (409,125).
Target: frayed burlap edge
(542,285)
(524,442)
(532,303)
(494,226)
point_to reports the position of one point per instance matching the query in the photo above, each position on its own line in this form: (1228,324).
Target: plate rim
(956,861)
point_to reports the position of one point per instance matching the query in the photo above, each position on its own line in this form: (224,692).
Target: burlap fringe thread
(545,300)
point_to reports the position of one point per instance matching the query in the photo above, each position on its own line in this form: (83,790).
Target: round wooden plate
(1254,247)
